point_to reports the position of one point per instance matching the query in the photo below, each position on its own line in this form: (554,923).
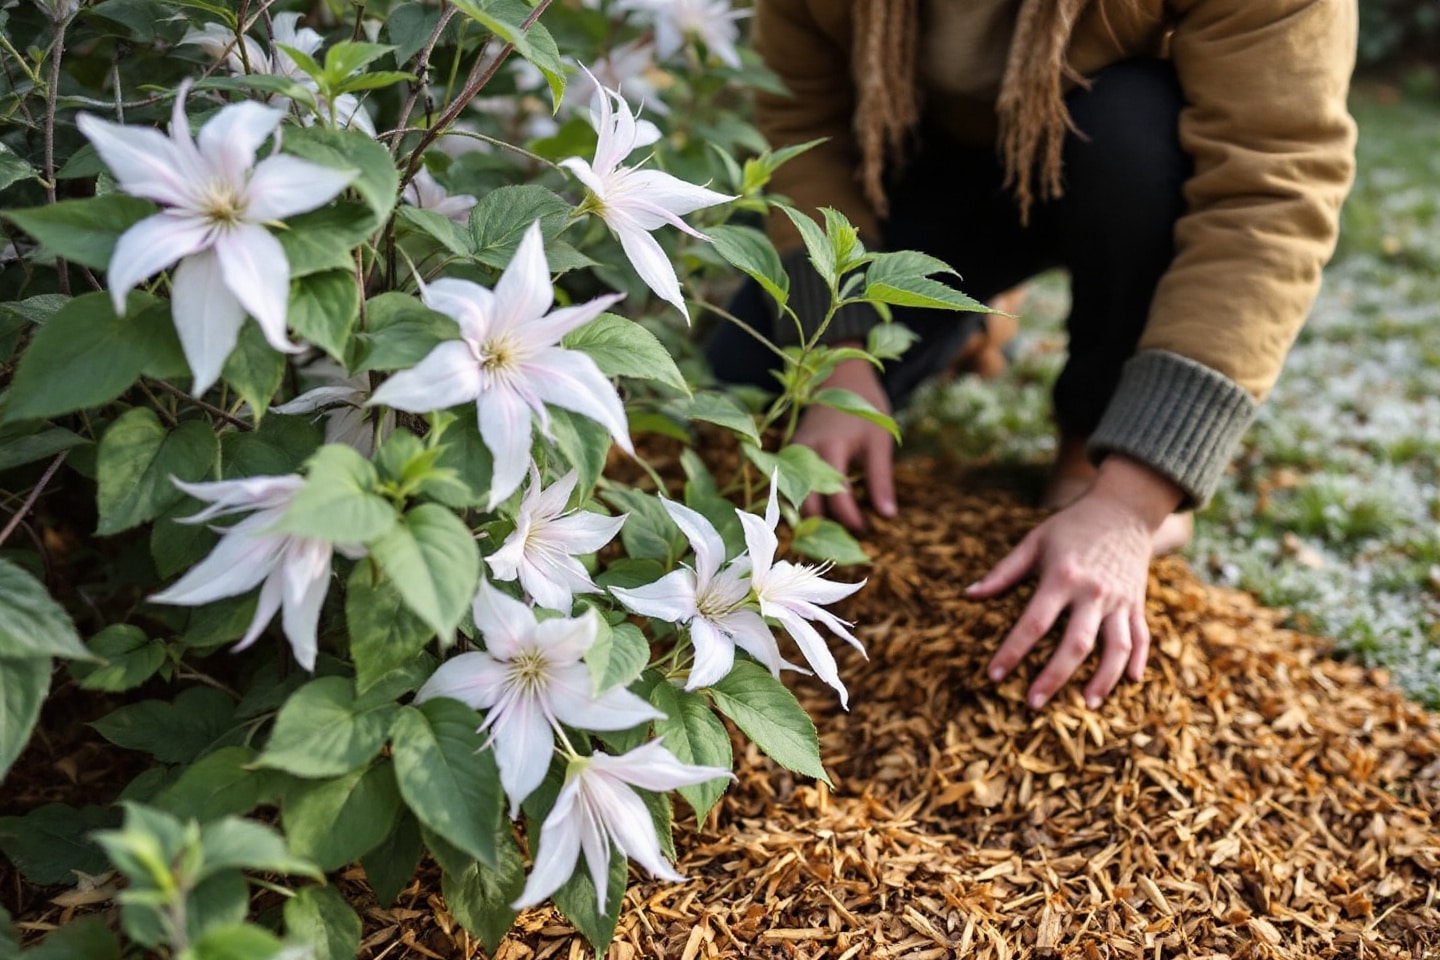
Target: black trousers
(1113,230)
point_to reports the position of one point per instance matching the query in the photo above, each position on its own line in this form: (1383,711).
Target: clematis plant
(633,202)
(509,361)
(217,201)
(712,22)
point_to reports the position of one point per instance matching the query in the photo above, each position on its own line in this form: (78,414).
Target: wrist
(1141,489)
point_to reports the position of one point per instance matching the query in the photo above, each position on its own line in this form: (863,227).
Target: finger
(814,506)
(880,477)
(1140,641)
(1113,658)
(1039,616)
(1011,568)
(844,508)
(1075,647)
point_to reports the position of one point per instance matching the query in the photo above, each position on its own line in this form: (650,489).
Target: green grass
(1332,509)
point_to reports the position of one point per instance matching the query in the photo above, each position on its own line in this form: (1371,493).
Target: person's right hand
(843,439)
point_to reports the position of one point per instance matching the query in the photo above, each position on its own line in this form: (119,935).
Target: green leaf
(817,245)
(723,410)
(617,656)
(902,279)
(337,502)
(464,456)
(409,27)
(220,784)
(324,308)
(279,445)
(506,19)
(384,633)
(446,777)
(321,917)
(400,332)
(852,403)
(480,897)
(85,355)
(350,56)
(825,539)
(25,443)
(254,368)
(377,181)
(322,732)
(138,458)
(752,252)
(800,469)
(32,624)
(83,231)
(577,901)
(86,937)
(649,533)
(583,443)
(217,901)
(325,239)
(23,686)
(500,219)
(240,941)
(693,733)
(629,573)
(623,348)
(336,822)
(13,167)
(889,341)
(768,713)
(432,559)
(124,658)
(171,732)
(439,228)
(390,867)
(231,843)
(52,841)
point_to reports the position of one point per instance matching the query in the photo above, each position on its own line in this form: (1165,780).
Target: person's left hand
(1093,559)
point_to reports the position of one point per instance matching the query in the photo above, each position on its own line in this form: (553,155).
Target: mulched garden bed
(1252,798)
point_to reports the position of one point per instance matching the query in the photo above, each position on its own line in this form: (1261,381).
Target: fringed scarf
(1033,118)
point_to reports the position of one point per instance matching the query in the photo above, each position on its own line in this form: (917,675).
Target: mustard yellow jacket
(1265,85)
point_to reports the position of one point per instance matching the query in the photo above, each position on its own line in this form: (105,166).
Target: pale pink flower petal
(145,162)
(447,376)
(150,246)
(475,678)
(282,186)
(230,139)
(210,323)
(255,269)
(714,654)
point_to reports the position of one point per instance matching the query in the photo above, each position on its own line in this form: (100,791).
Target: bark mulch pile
(1251,798)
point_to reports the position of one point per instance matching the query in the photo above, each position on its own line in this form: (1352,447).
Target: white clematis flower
(424,191)
(219,41)
(295,570)
(340,400)
(597,808)
(217,200)
(510,362)
(633,202)
(626,67)
(790,593)
(712,22)
(529,678)
(712,601)
(541,552)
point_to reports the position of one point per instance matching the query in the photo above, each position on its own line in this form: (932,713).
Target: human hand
(1092,558)
(842,439)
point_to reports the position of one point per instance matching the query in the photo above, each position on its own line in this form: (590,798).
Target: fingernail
(887,508)
(974,586)
(997,674)
(1093,702)
(1037,700)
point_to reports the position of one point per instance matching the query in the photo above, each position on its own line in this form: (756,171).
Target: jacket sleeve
(812,60)
(1273,146)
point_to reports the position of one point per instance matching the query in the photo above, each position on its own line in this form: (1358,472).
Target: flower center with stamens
(530,671)
(221,203)
(498,356)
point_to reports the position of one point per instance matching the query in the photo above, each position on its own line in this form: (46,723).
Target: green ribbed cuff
(1179,417)
(810,299)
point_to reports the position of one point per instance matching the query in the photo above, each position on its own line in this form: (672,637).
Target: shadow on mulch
(1252,798)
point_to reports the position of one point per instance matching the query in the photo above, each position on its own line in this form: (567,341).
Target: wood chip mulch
(1252,798)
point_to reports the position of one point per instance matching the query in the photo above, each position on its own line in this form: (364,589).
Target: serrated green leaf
(336,822)
(384,632)
(768,713)
(254,368)
(13,167)
(723,410)
(322,918)
(583,443)
(649,533)
(238,941)
(500,219)
(693,734)
(32,625)
(86,937)
(400,332)
(902,279)
(324,308)
(623,348)
(507,19)
(221,784)
(817,245)
(337,502)
(577,901)
(138,458)
(447,778)
(390,867)
(23,686)
(322,732)
(439,228)
(752,252)
(480,897)
(23,443)
(83,231)
(178,732)
(431,558)
(52,841)
(852,403)
(123,658)
(800,469)
(618,655)
(325,239)
(231,843)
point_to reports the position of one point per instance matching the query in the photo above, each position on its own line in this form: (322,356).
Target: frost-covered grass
(1333,508)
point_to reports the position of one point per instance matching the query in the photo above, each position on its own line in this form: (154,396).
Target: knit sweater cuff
(1179,417)
(810,299)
